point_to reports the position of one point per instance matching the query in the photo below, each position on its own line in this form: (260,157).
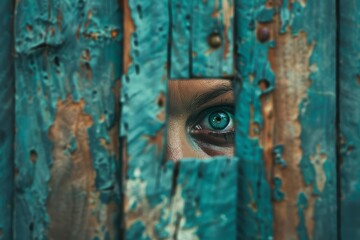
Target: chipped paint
(255,220)
(318,160)
(142,124)
(300,86)
(193,22)
(67,63)
(289,55)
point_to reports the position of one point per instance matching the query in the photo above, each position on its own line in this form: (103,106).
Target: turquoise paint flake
(265,14)
(285,16)
(278,195)
(302,205)
(278,152)
(7,127)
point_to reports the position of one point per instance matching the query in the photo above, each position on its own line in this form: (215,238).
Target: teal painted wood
(287,164)
(349,73)
(205,202)
(255,216)
(193,199)
(198,201)
(318,118)
(215,17)
(143,99)
(68,68)
(195,24)
(180,61)
(7,126)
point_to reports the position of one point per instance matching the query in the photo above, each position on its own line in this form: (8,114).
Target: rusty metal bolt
(263,34)
(215,40)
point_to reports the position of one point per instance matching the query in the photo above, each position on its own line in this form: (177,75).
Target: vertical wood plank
(143,98)
(287,111)
(205,199)
(255,216)
(202,43)
(68,68)
(349,74)
(212,21)
(180,45)
(7,128)
(304,61)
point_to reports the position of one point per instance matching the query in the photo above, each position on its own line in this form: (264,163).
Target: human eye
(214,127)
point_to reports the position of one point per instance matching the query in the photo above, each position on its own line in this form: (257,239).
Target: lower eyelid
(214,138)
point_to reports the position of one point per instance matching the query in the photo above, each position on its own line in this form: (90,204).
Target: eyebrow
(201,99)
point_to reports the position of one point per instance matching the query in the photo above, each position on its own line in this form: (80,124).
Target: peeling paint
(67,62)
(193,23)
(255,218)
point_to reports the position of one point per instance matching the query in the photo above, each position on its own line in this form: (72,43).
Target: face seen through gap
(201,119)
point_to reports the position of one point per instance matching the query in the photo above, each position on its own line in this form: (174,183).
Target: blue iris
(219,120)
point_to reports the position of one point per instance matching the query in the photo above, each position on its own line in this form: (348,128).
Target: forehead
(184,94)
(193,87)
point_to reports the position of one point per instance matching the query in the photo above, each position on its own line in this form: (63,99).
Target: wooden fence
(83,90)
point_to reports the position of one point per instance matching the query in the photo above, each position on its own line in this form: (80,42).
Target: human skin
(200,122)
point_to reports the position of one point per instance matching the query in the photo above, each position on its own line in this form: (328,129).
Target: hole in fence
(264,84)
(201,118)
(33,156)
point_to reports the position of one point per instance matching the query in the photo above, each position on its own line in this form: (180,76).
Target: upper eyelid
(202,99)
(199,116)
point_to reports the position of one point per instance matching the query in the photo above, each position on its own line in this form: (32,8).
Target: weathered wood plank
(7,126)
(286,124)
(349,74)
(202,39)
(212,38)
(205,199)
(305,111)
(143,98)
(255,217)
(68,65)
(180,51)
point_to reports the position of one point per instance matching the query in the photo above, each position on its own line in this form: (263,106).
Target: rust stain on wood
(267,131)
(71,186)
(254,128)
(129,28)
(290,60)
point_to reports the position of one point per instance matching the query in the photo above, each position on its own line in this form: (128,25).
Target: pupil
(219,120)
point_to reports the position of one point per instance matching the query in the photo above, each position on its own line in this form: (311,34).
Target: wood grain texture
(68,67)
(349,72)
(286,119)
(143,99)
(193,22)
(255,216)
(180,45)
(7,124)
(209,18)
